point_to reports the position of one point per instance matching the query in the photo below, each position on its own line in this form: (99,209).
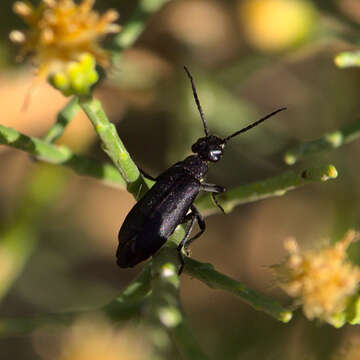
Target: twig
(111,142)
(107,173)
(134,293)
(61,155)
(327,142)
(114,147)
(164,308)
(275,186)
(63,119)
(207,274)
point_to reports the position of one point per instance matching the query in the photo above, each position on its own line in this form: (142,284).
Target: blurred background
(248,58)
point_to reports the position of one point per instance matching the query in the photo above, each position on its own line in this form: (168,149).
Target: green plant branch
(275,186)
(114,147)
(111,143)
(136,24)
(107,173)
(164,308)
(327,142)
(134,293)
(61,155)
(214,279)
(62,120)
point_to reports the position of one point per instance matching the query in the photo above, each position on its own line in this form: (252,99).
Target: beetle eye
(215,155)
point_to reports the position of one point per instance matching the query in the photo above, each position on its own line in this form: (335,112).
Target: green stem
(113,146)
(327,142)
(107,173)
(275,186)
(136,24)
(111,142)
(61,155)
(131,297)
(164,304)
(62,120)
(207,274)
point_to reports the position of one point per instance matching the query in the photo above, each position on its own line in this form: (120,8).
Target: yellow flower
(322,280)
(61,32)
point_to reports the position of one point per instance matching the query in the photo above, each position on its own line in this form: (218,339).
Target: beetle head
(209,148)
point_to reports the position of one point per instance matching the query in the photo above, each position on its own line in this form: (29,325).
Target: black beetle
(169,202)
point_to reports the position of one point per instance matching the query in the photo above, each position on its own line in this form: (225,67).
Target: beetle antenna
(197,101)
(253,124)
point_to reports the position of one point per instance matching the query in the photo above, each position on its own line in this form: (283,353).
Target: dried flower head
(61,32)
(322,280)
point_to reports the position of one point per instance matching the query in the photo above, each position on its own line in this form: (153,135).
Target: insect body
(169,202)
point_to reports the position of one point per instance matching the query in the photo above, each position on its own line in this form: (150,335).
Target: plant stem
(107,173)
(113,146)
(62,120)
(111,142)
(164,304)
(134,293)
(61,155)
(136,24)
(275,186)
(328,141)
(207,274)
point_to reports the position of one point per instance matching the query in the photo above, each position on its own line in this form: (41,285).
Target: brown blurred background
(248,58)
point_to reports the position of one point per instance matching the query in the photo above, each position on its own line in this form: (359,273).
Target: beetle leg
(192,218)
(187,218)
(201,223)
(213,196)
(214,190)
(146,175)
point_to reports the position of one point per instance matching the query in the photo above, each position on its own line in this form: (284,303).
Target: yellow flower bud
(63,38)
(77,78)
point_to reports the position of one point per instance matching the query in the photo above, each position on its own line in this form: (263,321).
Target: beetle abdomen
(154,218)
(131,252)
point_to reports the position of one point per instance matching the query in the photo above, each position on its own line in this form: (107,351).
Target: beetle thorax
(209,148)
(195,166)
